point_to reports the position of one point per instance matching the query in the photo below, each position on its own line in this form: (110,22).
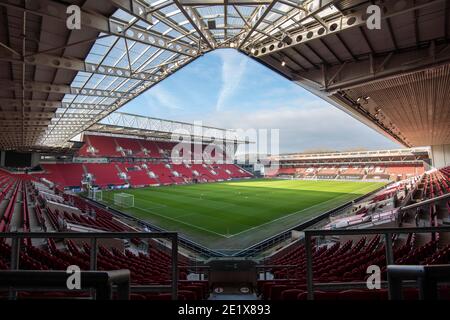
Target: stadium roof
(354,154)
(56,82)
(121,123)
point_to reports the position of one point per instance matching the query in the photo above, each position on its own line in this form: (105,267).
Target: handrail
(183,241)
(411,192)
(195,266)
(349,232)
(83,235)
(425,202)
(263,266)
(333,286)
(305,224)
(101,281)
(94,236)
(426,276)
(387,232)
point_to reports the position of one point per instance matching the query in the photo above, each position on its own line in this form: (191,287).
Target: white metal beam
(337,25)
(63,89)
(57,62)
(195,3)
(56,10)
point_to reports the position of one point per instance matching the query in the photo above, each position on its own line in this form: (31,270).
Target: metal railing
(264,269)
(286,234)
(16,238)
(101,281)
(427,278)
(387,232)
(186,243)
(426,202)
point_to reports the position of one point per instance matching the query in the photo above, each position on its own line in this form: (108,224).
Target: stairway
(122,152)
(142,148)
(90,145)
(85,169)
(120,171)
(148,173)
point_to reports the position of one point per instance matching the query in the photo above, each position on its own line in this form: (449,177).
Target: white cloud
(314,125)
(164,97)
(233,69)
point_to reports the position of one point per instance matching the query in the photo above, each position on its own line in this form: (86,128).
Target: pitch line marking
(179,221)
(158,205)
(249,229)
(291,214)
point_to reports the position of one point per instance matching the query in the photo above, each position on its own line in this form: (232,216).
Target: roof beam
(291,14)
(32,104)
(323,42)
(446,19)
(366,39)
(336,25)
(16,115)
(25,122)
(63,89)
(317,54)
(297,51)
(257,23)
(72,115)
(56,10)
(391,33)
(142,11)
(192,16)
(345,45)
(299,7)
(124,98)
(57,62)
(416,26)
(225,18)
(294,61)
(63,122)
(190,3)
(391,64)
(201,24)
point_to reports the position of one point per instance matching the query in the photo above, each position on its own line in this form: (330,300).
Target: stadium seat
(291,294)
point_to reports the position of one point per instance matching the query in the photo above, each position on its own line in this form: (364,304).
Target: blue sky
(226,89)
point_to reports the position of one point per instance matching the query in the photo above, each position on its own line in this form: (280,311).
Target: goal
(95,194)
(124,200)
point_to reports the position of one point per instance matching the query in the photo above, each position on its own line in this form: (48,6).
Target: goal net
(124,200)
(96,195)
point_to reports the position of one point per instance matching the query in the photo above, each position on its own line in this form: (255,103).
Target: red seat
(188,295)
(325,295)
(291,294)
(276,290)
(357,295)
(302,295)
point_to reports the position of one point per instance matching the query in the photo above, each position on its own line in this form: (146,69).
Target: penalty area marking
(157,205)
(291,214)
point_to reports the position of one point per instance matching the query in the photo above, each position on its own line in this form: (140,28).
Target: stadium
(145,208)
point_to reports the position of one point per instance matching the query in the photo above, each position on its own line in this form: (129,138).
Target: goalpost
(124,200)
(95,194)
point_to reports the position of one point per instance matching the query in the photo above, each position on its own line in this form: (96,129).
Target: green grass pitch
(236,214)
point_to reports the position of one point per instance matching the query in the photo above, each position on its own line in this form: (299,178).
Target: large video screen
(17,159)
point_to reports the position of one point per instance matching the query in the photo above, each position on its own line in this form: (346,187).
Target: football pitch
(236,214)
